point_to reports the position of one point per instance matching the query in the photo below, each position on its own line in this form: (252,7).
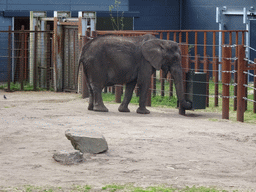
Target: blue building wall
(148,15)
(156,14)
(4,25)
(201,14)
(60,5)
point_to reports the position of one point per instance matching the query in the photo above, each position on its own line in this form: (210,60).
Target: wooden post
(148,103)
(226,68)
(240,83)
(118,93)
(153,83)
(171,85)
(235,75)
(206,70)
(162,80)
(215,71)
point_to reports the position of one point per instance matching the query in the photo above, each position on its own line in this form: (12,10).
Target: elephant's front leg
(127,97)
(144,86)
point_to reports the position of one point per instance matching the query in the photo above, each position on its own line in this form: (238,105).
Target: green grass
(113,188)
(26,87)
(166,101)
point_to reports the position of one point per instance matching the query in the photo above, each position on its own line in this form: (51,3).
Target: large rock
(69,157)
(87,141)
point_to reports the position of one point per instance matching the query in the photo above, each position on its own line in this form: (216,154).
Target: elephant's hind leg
(127,97)
(98,104)
(91,98)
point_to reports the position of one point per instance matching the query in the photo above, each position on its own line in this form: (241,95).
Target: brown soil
(160,148)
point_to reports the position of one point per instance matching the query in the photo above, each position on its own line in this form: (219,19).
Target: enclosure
(47,57)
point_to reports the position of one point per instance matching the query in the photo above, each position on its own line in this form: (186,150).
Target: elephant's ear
(152,51)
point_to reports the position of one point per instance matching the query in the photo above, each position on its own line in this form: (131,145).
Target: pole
(240,83)
(226,67)
(35,60)
(9,59)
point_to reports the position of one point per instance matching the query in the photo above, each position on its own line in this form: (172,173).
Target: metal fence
(28,58)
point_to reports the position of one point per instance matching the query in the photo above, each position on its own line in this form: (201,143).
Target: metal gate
(71,56)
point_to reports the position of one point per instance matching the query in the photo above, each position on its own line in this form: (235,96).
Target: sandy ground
(160,148)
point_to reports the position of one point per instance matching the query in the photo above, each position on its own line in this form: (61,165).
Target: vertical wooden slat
(235,75)
(226,54)
(196,40)
(215,70)
(175,36)
(240,83)
(162,81)
(180,37)
(168,36)
(161,35)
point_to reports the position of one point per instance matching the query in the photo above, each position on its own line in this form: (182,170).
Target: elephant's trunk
(178,80)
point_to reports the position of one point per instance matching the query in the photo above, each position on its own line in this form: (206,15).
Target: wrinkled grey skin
(110,60)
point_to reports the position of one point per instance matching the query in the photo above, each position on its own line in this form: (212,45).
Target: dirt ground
(160,148)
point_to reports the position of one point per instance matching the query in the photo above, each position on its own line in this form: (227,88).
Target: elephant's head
(166,55)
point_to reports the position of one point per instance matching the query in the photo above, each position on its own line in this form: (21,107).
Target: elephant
(109,60)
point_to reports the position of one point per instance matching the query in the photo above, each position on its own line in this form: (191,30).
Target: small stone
(68,157)
(87,141)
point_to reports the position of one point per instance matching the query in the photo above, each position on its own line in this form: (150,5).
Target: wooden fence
(205,49)
(219,54)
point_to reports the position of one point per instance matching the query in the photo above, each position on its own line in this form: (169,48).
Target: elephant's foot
(90,107)
(100,108)
(123,109)
(143,111)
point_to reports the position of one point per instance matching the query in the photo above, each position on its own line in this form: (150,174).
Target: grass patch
(166,101)
(112,188)
(26,87)
(131,188)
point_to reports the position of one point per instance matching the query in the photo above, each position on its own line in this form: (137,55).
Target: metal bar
(225,80)
(48,65)
(22,59)
(254,94)
(9,59)
(74,59)
(35,61)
